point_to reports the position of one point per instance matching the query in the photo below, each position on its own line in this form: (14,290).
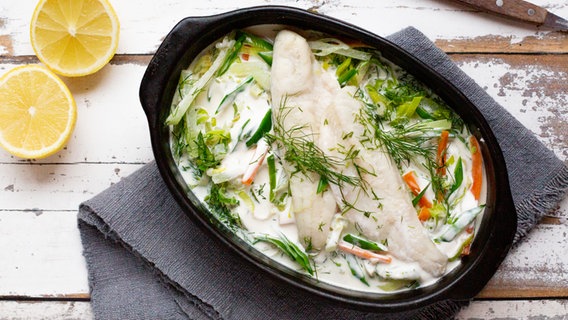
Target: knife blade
(521,11)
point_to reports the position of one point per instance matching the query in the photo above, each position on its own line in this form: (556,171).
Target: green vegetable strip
(407,109)
(266,56)
(181,108)
(356,269)
(271,176)
(291,250)
(256,41)
(264,127)
(451,230)
(419,196)
(458,176)
(232,55)
(346,76)
(231,96)
(364,243)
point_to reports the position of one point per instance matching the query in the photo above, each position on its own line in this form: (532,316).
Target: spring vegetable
(412,183)
(263,128)
(462,249)
(232,54)
(407,109)
(271,176)
(362,253)
(458,176)
(181,108)
(292,250)
(230,97)
(424,214)
(356,268)
(364,243)
(221,204)
(324,47)
(458,223)
(477,167)
(255,163)
(337,225)
(266,56)
(441,154)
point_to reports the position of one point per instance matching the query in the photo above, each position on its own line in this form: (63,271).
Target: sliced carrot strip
(362,253)
(255,163)
(424,214)
(412,183)
(441,154)
(477,168)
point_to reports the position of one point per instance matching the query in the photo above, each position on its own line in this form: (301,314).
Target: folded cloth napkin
(147,260)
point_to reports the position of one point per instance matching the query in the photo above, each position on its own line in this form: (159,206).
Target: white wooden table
(42,271)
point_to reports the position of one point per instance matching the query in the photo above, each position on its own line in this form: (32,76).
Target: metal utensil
(521,11)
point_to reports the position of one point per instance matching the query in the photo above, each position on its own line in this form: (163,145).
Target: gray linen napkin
(147,260)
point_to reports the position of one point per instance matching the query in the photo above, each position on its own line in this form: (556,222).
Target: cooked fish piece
(380,207)
(294,75)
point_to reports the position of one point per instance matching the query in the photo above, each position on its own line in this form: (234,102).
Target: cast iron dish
(190,36)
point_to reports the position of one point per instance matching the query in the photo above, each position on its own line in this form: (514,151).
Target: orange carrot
(362,253)
(412,183)
(424,214)
(441,155)
(476,168)
(255,163)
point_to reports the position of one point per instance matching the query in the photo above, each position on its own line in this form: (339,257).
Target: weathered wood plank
(42,187)
(40,256)
(534,88)
(515,309)
(46,310)
(478,310)
(457,28)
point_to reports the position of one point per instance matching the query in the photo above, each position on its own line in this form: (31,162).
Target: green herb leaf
(291,250)
(263,128)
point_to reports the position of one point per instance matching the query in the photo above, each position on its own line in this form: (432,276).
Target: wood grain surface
(42,271)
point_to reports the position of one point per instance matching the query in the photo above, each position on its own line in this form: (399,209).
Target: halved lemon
(74,37)
(37,112)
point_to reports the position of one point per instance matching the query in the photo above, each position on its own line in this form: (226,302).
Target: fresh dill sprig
(301,150)
(221,206)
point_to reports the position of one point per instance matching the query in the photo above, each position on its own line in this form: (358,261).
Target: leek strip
(364,243)
(231,96)
(291,250)
(266,56)
(356,269)
(181,108)
(458,176)
(451,230)
(271,176)
(264,127)
(419,196)
(232,55)
(328,46)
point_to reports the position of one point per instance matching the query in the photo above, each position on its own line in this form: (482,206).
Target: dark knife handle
(515,9)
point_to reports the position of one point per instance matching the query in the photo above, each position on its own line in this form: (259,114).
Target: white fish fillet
(331,112)
(294,73)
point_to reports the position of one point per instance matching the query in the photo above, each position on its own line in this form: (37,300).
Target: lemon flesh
(74,37)
(37,112)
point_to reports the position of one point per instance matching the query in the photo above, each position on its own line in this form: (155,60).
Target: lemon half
(74,37)
(37,112)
